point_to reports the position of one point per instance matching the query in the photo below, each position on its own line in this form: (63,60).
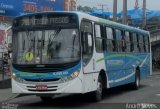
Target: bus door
(87,53)
(87,46)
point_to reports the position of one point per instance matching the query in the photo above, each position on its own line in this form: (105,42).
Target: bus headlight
(72,76)
(13,75)
(20,80)
(75,74)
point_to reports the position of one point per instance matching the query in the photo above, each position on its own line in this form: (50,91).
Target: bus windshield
(55,46)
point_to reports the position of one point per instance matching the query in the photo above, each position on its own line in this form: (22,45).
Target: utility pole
(124,19)
(115,10)
(102,9)
(69,5)
(144,13)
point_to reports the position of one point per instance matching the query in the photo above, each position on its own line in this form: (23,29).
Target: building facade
(70,5)
(12,8)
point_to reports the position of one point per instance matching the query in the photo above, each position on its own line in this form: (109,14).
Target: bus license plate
(41,87)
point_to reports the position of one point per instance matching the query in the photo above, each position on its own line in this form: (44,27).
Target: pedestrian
(5,59)
(6,66)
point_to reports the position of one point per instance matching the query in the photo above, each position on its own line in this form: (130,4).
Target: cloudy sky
(151,4)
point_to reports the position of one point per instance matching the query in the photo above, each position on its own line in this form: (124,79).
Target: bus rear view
(46,54)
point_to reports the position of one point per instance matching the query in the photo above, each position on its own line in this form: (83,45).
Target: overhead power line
(102,7)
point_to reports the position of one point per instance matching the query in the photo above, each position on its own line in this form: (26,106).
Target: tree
(86,8)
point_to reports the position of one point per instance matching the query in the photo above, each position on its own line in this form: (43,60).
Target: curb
(156,74)
(5,84)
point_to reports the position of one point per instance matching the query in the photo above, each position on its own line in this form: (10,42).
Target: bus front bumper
(72,86)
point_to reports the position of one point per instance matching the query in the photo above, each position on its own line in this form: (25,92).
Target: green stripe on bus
(27,73)
(119,55)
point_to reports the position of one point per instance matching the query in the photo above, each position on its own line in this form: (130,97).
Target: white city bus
(76,53)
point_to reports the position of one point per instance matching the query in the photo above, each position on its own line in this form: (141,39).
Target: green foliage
(86,8)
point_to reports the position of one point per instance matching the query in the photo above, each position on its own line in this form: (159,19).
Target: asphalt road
(115,98)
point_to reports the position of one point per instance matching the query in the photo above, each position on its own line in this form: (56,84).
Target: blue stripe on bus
(120,68)
(45,76)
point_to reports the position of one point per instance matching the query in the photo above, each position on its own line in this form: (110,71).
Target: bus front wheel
(97,95)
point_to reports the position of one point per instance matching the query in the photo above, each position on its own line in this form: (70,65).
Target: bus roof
(92,18)
(111,23)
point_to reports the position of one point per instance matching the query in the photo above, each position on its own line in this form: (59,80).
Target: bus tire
(136,84)
(97,95)
(46,99)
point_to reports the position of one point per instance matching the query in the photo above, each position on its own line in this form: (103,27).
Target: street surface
(149,92)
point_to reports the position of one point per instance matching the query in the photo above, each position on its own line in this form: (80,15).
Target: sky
(151,4)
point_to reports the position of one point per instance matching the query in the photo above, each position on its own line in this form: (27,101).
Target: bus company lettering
(60,73)
(115,62)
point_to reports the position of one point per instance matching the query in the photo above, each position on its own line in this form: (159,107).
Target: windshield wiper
(54,35)
(51,39)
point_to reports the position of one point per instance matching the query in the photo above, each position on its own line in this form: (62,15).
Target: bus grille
(41,80)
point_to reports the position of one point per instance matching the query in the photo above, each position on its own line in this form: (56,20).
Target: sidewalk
(5,94)
(5,89)
(156,72)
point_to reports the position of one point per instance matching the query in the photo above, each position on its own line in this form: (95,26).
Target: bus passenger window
(131,42)
(123,45)
(140,42)
(110,40)
(144,46)
(134,42)
(128,43)
(146,43)
(119,39)
(100,39)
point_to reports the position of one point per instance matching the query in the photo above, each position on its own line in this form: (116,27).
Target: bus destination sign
(37,20)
